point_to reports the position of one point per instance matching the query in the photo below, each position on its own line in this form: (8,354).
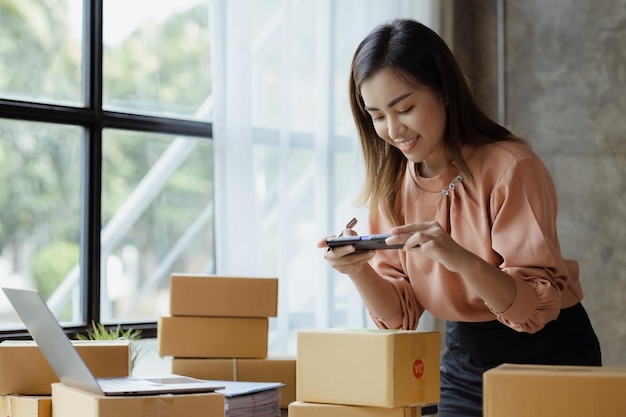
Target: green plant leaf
(98,331)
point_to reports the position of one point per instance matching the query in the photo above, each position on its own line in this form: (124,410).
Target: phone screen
(363,243)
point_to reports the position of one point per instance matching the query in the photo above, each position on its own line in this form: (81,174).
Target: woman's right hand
(346,259)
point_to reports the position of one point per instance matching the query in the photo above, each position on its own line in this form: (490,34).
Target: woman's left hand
(433,241)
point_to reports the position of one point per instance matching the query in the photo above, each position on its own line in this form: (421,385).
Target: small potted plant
(99,332)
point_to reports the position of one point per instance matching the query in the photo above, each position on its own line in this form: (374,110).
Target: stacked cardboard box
(26,378)
(304,409)
(30,388)
(72,402)
(385,373)
(270,369)
(218,329)
(25,406)
(550,390)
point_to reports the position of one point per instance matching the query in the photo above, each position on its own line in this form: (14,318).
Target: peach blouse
(507,217)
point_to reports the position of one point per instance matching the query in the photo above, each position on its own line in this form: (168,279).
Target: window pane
(283,71)
(156,57)
(157,209)
(41,51)
(40,206)
(290,200)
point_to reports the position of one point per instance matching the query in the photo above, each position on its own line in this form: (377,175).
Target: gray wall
(565,91)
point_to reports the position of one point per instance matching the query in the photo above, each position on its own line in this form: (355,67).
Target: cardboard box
(542,390)
(72,402)
(212,337)
(24,370)
(25,406)
(5,405)
(211,295)
(377,368)
(254,370)
(303,409)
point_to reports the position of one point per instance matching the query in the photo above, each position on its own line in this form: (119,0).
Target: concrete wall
(565,91)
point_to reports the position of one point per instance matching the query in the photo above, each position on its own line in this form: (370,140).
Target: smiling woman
(474,209)
(408,117)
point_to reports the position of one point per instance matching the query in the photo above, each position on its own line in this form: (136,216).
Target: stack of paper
(245,399)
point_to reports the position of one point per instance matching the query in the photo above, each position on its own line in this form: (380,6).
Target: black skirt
(473,348)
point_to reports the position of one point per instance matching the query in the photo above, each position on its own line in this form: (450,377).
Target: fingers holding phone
(345,257)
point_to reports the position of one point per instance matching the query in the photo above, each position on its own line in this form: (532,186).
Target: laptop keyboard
(125,384)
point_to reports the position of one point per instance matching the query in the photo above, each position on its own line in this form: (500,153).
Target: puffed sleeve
(524,210)
(389,266)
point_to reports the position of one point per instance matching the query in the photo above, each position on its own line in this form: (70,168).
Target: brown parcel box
(378,368)
(25,406)
(302,409)
(24,370)
(544,390)
(72,402)
(211,295)
(212,337)
(271,369)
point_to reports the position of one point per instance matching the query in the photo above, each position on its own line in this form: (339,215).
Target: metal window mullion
(323,147)
(91,217)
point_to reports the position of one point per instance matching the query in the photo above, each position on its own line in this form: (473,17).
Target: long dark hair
(419,56)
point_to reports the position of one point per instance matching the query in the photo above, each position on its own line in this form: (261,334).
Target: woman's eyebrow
(391,103)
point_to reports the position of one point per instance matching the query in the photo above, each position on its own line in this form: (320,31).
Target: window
(106,153)
(140,138)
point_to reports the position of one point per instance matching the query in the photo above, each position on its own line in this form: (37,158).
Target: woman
(476,211)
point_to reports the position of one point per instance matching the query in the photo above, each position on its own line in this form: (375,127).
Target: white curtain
(287,161)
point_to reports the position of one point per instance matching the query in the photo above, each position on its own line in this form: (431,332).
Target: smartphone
(363,243)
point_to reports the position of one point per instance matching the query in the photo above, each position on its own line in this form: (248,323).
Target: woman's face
(409,118)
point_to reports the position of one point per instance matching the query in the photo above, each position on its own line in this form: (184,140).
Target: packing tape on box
(159,406)
(234,369)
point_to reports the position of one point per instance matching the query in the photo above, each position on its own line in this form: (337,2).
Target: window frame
(94,119)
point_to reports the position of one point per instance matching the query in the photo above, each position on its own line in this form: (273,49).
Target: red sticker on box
(418,368)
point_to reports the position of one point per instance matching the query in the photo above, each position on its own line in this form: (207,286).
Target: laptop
(70,367)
